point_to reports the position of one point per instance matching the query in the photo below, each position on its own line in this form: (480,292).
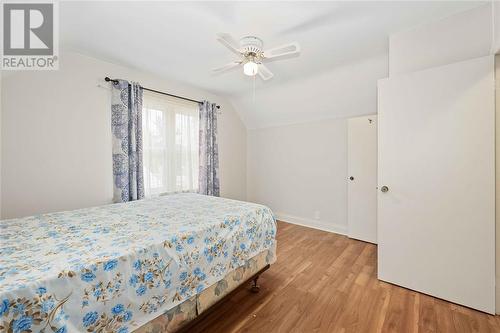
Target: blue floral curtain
(126,125)
(209,150)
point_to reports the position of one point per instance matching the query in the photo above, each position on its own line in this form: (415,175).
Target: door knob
(384,189)
(351,178)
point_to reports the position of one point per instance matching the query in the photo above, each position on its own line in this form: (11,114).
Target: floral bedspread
(114,268)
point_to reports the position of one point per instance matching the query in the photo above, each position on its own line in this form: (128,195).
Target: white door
(362,181)
(436,222)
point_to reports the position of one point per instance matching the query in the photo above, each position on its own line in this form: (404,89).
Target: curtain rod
(107,79)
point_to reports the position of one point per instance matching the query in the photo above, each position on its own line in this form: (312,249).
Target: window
(170,144)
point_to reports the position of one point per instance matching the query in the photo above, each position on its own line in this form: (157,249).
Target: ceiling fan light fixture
(250,68)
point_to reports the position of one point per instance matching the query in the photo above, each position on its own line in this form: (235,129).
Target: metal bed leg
(255,287)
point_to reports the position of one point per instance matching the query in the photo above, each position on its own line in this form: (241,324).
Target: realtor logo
(29,36)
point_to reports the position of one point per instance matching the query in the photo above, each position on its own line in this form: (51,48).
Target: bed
(136,266)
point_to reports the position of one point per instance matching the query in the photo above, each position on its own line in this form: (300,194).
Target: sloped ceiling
(344,48)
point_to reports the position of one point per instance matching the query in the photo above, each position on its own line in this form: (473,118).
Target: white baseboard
(330,227)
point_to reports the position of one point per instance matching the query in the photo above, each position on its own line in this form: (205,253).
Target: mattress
(116,267)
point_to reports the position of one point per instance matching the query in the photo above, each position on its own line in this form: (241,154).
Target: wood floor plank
(324,282)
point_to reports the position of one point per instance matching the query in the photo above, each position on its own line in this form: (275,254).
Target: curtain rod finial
(107,79)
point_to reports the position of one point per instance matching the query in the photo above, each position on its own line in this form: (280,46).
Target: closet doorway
(362,178)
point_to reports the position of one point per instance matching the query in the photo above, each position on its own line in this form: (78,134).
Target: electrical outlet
(317,215)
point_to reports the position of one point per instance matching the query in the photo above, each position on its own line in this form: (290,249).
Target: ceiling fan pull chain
(254,91)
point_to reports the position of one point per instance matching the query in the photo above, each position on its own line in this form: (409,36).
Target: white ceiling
(344,48)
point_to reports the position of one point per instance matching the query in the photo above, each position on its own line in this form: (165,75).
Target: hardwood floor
(324,282)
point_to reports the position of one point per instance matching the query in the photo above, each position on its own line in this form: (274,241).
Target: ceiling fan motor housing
(251,46)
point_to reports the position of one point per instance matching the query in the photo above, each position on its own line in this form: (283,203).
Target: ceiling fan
(252,56)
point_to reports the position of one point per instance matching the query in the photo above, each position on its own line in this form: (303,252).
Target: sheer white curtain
(170,144)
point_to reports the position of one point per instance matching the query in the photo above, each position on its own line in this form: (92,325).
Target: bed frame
(254,289)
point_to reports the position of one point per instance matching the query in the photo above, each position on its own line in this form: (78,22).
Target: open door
(436,203)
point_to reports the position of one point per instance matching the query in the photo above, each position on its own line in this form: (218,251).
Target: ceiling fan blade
(264,72)
(228,41)
(283,50)
(226,67)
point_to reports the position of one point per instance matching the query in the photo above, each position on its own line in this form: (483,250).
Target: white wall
(496,25)
(459,37)
(300,171)
(348,90)
(56,136)
(299,166)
